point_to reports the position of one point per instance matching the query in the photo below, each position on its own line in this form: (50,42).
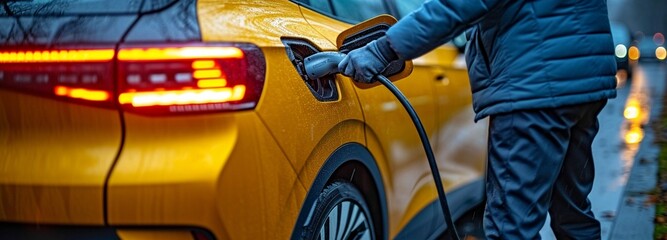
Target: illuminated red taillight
(158,80)
(146,79)
(78,75)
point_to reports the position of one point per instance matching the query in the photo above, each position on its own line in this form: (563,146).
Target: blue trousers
(541,161)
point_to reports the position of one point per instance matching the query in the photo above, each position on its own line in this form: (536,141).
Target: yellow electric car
(145,119)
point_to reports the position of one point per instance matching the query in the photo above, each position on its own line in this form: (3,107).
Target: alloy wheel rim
(346,220)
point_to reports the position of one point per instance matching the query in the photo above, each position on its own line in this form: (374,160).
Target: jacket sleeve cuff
(386,50)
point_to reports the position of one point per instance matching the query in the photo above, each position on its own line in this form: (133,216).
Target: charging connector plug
(322,64)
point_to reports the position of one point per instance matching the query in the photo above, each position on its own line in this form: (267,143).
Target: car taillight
(79,75)
(158,80)
(150,79)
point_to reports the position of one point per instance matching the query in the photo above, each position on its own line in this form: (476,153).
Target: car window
(405,7)
(355,11)
(74,7)
(321,6)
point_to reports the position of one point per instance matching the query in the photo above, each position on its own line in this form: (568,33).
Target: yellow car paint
(215,175)
(224,173)
(54,158)
(260,22)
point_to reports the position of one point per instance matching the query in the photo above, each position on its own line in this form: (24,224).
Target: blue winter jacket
(523,54)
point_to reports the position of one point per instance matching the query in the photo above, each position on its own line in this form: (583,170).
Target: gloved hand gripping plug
(364,63)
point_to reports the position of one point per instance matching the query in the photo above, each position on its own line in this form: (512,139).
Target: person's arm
(435,23)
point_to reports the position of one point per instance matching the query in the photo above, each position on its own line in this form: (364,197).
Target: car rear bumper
(54,158)
(27,231)
(223,174)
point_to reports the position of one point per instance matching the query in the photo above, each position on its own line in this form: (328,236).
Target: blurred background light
(631,112)
(659,39)
(661,53)
(634,135)
(633,53)
(621,51)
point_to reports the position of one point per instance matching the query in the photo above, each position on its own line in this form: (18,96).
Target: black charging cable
(429,152)
(326,63)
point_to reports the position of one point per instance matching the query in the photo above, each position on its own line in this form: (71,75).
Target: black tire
(332,215)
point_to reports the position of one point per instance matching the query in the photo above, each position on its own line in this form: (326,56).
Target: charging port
(325,88)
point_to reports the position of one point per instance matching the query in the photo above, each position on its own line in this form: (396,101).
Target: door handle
(440,76)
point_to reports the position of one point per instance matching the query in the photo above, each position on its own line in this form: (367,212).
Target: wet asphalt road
(621,146)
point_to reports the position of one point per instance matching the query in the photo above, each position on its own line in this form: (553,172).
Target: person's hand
(364,63)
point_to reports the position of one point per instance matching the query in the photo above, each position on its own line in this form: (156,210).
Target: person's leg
(571,215)
(526,152)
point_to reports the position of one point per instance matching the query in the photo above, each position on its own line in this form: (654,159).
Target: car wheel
(340,212)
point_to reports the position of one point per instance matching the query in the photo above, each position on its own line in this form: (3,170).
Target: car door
(461,143)
(390,135)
